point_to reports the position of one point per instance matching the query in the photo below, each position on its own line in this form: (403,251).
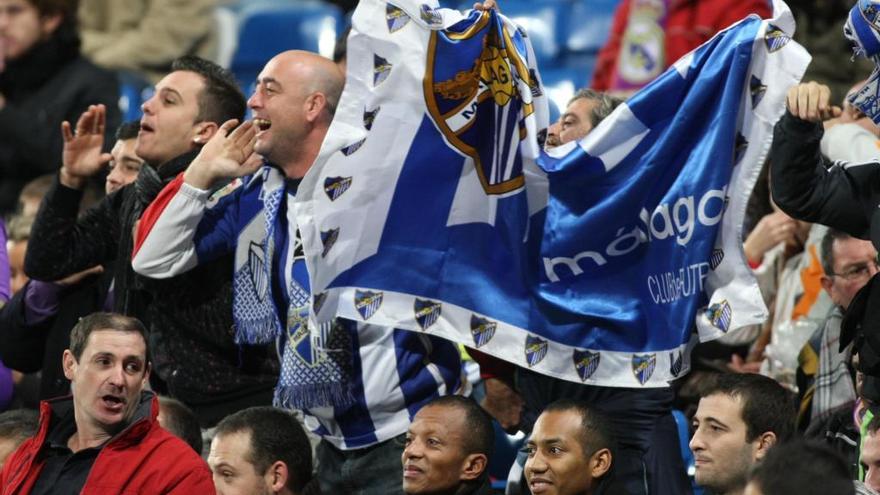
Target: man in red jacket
(649,35)
(105,438)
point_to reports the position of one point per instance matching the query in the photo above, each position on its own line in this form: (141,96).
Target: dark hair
(873,425)
(221,99)
(766,405)
(276,435)
(79,336)
(827,253)
(18,424)
(605,103)
(181,422)
(66,8)
(596,430)
(480,435)
(128,130)
(804,468)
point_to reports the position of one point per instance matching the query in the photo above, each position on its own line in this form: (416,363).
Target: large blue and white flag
(432,207)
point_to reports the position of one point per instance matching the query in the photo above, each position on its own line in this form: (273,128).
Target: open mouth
(113,402)
(146,127)
(263,124)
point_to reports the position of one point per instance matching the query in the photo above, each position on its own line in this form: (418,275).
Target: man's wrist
(69,180)
(197,177)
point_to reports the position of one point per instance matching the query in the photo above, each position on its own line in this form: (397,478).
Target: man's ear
(315,105)
(826,282)
(600,463)
(49,23)
(147,369)
(473,467)
(276,476)
(763,444)
(203,132)
(69,364)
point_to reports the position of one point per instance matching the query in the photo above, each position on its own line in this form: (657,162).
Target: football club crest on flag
(430,16)
(536,349)
(348,150)
(257,267)
(369,117)
(775,38)
(585,363)
(335,186)
(381,70)
(675,363)
(613,245)
(426,312)
(719,314)
(462,89)
(643,366)
(328,239)
(756,90)
(482,330)
(367,303)
(318,301)
(396,18)
(716,259)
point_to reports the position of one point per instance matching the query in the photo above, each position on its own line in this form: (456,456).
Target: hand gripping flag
(432,208)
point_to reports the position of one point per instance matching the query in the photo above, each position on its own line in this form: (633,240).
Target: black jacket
(48,85)
(809,187)
(189,316)
(21,344)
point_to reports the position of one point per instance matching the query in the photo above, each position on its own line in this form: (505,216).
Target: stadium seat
(266,28)
(588,25)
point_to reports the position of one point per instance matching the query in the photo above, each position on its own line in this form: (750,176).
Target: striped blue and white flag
(432,207)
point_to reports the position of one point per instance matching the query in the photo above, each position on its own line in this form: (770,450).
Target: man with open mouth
(105,438)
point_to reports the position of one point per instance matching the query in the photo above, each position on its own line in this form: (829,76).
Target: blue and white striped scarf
(315,365)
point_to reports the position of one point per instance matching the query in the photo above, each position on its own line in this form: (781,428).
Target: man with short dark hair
(194,352)
(740,417)
(448,448)
(16,426)
(261,451)
(181,422)
(802,468)
(570,451)
(104,438)
(44,82)
(125,165)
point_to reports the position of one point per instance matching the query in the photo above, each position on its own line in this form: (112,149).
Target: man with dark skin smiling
(105,438)
(448,447)
(570,451)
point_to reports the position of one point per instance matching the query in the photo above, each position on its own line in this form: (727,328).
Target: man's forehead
(562,425)
(182,81)
(720,406)
(448,420)
(113,341)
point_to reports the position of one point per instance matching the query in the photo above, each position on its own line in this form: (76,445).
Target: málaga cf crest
(475,73)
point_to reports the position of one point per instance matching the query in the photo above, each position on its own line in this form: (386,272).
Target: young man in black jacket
(189,316)
(44,82)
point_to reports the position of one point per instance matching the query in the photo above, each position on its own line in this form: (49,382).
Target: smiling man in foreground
(105,438)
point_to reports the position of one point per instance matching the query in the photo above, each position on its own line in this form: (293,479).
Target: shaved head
(293,104)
